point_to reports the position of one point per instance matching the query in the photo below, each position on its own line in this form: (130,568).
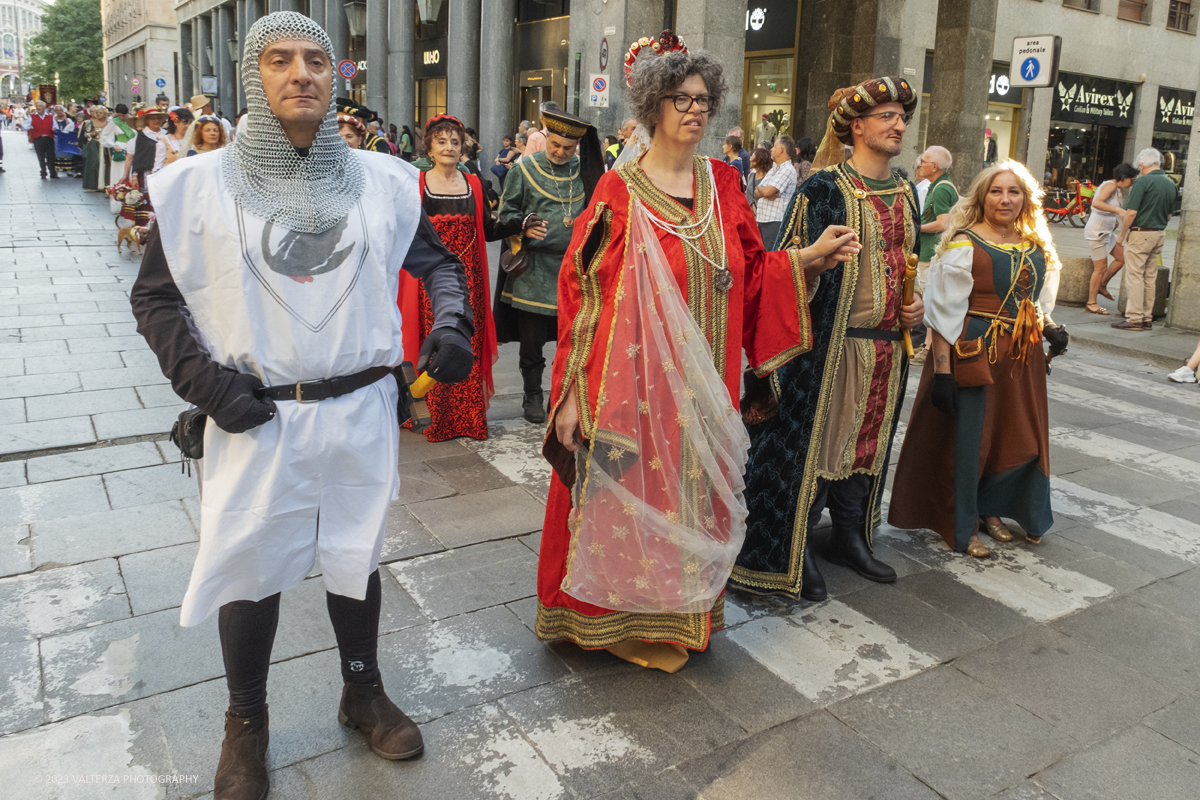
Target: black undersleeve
(247,632)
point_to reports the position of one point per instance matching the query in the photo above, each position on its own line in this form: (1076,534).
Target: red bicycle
(1074,208)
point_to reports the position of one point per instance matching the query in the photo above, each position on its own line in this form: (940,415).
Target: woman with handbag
(455,203)
(990,291)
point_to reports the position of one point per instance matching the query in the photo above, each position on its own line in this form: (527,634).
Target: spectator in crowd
(1187,373)
(405,145)
(202,105)
(519,144)
(612,146)
(537,139)
(1145,222)
(732,148)
(1100,232)
(625,133)
(806,151)
(504,160)
(775,191)
(760,165)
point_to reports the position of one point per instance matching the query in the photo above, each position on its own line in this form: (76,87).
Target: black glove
(945,393)
(1058,338)
(531,221)
(242,408)
(446,355)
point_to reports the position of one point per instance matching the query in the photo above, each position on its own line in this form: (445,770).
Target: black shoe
(812,582)
(43,176)
(849,548)
(534,408)
(54,176)
(389,731)
(242,770)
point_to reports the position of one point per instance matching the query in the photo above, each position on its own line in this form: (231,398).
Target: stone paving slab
(16,553)
(1137,762)
(92,462)
(157,579)
(27,437)
(51,602)
(106,534)
(936,721)
(487,574)
(57,500)
(125,660)
(481,516)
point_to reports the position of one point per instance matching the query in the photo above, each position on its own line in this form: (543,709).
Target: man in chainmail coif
(268,293)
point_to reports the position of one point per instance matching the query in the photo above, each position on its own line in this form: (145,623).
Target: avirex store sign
(1089,100)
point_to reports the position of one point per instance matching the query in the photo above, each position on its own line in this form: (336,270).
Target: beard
(884,145)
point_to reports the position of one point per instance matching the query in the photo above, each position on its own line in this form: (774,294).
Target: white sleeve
(160,155)
(108,136)
(1049,293)
(948,290)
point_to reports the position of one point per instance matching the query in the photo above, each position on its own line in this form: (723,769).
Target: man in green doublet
(555,184)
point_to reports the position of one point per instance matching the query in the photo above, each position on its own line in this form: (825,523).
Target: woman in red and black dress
(455,204)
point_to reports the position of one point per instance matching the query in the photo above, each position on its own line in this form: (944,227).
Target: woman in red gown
(654,560)
(454,202)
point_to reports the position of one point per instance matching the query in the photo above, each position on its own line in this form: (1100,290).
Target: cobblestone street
(1067,670)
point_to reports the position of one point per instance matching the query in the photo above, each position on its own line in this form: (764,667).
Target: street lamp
(356,17)
(233,49)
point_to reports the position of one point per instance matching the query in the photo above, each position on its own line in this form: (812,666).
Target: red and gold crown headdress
(667,42)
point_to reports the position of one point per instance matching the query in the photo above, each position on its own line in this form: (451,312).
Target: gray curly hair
(655,77)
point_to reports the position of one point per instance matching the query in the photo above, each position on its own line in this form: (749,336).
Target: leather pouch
(515,260)
(188,433)
(970,363)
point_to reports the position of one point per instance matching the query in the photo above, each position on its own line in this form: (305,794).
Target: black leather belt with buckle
(1148,230)
(327,389)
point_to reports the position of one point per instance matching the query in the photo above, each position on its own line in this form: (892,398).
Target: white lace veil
(659,512)
(635,146)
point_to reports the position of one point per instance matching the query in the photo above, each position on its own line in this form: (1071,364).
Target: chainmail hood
(265,173)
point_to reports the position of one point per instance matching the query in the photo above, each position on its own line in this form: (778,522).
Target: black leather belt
(1148,230)
(872,333)
(313,391)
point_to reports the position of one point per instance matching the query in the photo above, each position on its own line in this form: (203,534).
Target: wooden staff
(910,282)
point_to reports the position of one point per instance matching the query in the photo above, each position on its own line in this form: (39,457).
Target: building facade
(20,21)
(141,52)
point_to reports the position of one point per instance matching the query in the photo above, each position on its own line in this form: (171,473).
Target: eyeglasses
(889,117)
(683,102)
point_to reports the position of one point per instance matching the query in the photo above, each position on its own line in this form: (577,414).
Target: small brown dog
(135,235)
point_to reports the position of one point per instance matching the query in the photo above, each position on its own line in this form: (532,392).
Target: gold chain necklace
(568,205)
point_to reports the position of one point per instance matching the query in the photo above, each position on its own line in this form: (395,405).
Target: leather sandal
(1033,539)
(1107,295)
(997,530)
(1093,308)
(977,549)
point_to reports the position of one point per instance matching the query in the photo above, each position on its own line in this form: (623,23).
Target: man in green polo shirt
(1144,220)
(933,166)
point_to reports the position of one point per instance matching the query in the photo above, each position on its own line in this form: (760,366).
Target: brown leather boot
(242,770)
(389,731)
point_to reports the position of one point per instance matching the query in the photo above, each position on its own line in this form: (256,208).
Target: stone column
(289,5)
(197,53)
(186,73)
(401,106)
(717,26)
(462,53)
(842,43)
(496,81)
(316,11)
(203,42)
(377,52)
(962,60)
(243,26)
(228,73)
(339,33)
(1183,310)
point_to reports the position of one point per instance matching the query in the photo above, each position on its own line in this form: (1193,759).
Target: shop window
(1180,16)
(534,10)
(1132,10)
(1083,5)
(769,90)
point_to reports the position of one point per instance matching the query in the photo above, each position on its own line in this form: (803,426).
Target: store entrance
(431,99)
(769,89)
(1083,151)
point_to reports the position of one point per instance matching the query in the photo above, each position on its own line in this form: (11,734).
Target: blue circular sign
(599,84)
(347,69)
(1030,68)
(160,83)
